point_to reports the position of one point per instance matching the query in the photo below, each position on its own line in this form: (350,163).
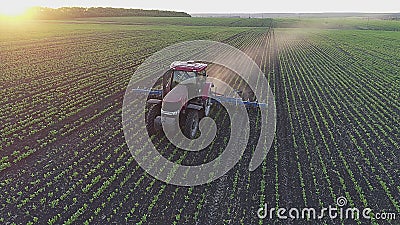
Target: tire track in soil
(218,201)
(285,145)
(215,208)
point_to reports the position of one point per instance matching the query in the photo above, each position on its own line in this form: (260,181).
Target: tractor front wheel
(207,107)
(152,113)
(191,124)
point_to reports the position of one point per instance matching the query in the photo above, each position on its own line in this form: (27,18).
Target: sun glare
(13,8)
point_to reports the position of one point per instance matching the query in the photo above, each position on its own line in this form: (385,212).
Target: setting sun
(14,8)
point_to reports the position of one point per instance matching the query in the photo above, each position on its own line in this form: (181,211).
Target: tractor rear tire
(191,125)
(153,111)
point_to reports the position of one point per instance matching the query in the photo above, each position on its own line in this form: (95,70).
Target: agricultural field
(63,155)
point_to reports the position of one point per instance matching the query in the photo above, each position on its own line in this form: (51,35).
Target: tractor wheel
(207,107)
(152,113)
(191,124)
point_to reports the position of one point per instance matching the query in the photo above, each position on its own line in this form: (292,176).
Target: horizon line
(300,12)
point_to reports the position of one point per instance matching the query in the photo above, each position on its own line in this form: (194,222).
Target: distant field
(320,23)
(339,23)
(186,21)
(63,157)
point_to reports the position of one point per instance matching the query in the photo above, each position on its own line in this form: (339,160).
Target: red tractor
(184,98)
(186,103)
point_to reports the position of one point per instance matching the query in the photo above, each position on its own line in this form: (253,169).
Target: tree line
(81,12)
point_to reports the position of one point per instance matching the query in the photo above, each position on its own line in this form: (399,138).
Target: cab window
(180,76)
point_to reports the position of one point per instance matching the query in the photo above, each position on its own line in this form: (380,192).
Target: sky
(232,6)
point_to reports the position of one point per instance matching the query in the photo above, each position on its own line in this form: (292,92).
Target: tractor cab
(195,68)
(184,71)
(182,85)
